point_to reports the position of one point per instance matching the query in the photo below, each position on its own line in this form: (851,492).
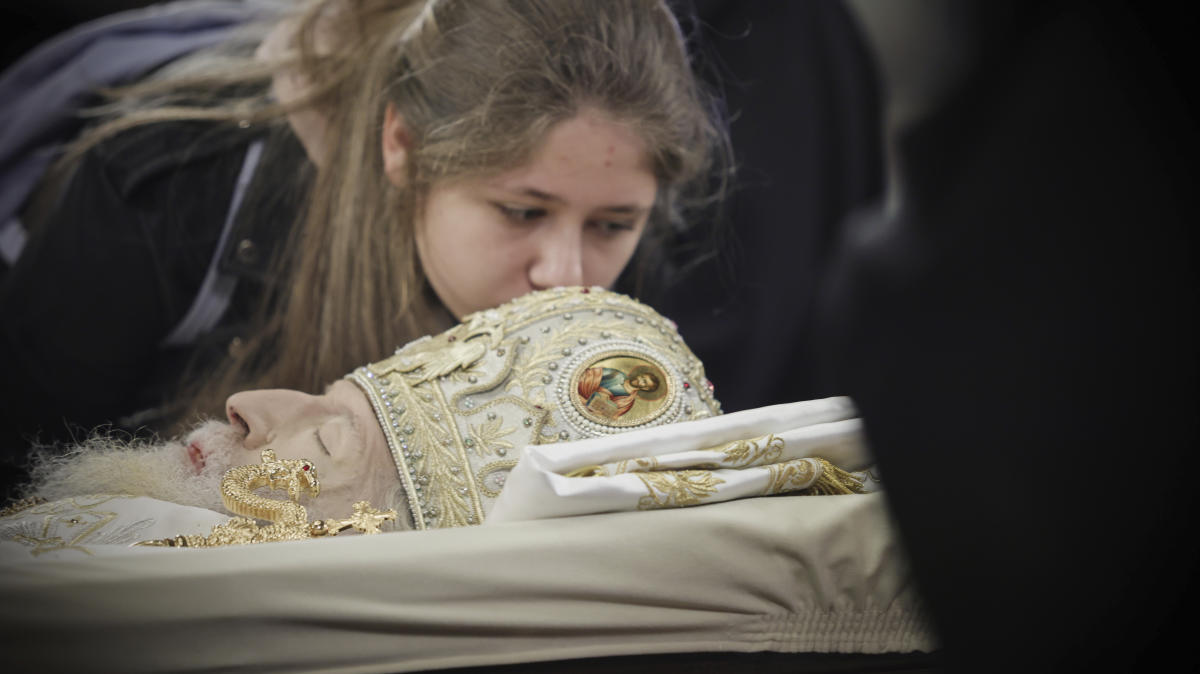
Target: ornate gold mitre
(552,366)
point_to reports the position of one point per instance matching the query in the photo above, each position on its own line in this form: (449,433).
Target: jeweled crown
(552,366)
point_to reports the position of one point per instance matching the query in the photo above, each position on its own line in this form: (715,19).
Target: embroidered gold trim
(835,481)
(793,475)
(594,470)
(491,471)
(641,465)
(488,437)
(677,488)
(37,534)
(751,452)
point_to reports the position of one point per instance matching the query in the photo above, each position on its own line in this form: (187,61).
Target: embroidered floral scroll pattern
(755,452)
(69,525)
(537,359)
(789,476)
(677,488)
(444,460)
(488,437)
(643,464)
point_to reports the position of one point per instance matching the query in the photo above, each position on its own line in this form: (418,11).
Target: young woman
(351,176)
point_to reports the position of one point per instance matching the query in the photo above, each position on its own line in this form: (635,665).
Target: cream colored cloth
(794,574)
(758,452)
(86,526)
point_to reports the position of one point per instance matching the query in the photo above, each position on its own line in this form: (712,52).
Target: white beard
(163,471)
(110,465)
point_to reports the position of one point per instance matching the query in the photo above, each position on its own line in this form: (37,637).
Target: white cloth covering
(87,526)
(790,573)
(762,451)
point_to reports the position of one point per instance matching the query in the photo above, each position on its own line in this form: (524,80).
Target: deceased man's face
(337,431)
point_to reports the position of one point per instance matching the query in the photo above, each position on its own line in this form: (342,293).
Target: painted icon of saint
(611,393)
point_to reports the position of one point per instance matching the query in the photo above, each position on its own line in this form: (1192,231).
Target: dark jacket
(99,316)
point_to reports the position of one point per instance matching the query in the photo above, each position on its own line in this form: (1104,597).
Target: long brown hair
(478,83)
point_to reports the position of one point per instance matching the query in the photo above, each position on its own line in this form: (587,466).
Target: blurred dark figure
(29,23)
(1019,337)
(805,120)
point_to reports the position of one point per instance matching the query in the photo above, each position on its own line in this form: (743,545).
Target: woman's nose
(558,258)
(261,414)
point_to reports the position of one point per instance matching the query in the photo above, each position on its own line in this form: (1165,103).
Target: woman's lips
(196,454)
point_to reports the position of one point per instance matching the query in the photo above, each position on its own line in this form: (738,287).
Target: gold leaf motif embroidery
(644,464)
(463,374)
(67,524)
(789,476)
(536,359)
(451,491)
(750,453)
(458,348)
(677,488)
(486,438)
(492,477)
(834,480)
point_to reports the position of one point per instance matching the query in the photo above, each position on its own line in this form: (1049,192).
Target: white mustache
(105,464)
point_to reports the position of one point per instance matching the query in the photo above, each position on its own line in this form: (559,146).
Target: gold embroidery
(457,348)
(535,372)
(646,463)
(492,477)
(486,438)
(792,475)
(449,490)
(834,480)
(464,374)
(476,387)
(66,525)
(814,477)
(677,488)
(652,330)
(749,453)
(594,470)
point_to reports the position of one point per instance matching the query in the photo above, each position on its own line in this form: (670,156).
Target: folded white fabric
(89,525)
(808,446)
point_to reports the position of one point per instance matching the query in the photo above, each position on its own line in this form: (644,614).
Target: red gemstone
(686,385)
(306,466)
(587,290)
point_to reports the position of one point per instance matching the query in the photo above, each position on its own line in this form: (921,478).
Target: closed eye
(321,443)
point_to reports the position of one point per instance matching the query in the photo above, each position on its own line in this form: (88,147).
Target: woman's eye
(613,227)
(519,214)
